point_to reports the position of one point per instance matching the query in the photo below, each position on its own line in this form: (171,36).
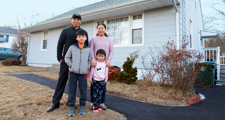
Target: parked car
(6,53)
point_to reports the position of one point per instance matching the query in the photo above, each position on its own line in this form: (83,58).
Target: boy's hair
(81,32)
(101,51)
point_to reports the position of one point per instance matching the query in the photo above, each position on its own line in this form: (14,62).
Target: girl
(101,41)
(98,77)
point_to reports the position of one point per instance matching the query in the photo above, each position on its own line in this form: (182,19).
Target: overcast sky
(10,10)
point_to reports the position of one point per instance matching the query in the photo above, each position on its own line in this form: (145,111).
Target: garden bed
(154,94)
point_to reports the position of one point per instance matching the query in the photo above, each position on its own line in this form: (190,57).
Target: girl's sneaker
(99,109)
(95,111)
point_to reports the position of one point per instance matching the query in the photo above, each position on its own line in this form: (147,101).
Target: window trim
(191,34)
(131,24)
(42,39)
(130,27)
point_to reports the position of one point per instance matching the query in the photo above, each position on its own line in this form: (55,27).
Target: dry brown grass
(154,94)
(7,69)
(21,100)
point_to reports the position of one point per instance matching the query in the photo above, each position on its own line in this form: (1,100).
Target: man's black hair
(81,32)
(101,51)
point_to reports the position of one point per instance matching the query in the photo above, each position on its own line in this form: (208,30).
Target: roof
(6,30)
(91,7)
(99,11)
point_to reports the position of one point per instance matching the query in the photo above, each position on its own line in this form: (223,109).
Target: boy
(78,58)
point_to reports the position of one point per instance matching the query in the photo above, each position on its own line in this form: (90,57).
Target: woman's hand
(93,63)
(107,63)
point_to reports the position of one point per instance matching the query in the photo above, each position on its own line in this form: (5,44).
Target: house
(131,24)
(7,36)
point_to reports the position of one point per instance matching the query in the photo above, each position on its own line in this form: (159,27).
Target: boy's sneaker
(82,110)
(95,111)
(71,112)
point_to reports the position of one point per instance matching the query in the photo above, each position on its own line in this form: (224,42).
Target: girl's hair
(101,51)
(104,27)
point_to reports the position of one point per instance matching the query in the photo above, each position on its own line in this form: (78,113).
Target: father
(66,39)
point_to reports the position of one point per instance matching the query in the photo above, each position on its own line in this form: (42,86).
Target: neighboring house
(7,36)
(131,24)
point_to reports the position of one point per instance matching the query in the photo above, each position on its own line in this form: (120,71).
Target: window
(8,50)
(126,31)
(2,50)
(45,41)
(117,30)
(137,29)
(2,39)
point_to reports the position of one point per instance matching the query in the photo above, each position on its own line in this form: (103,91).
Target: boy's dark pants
(62,80)
(103,96)
(73,86)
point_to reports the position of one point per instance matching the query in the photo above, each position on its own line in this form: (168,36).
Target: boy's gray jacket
(78,60)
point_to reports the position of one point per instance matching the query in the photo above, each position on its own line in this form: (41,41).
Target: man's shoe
(91,107)
(52,108)
(71,112)
(82,110)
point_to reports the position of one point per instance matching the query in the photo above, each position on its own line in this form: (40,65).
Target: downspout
(28,49)
(177,24)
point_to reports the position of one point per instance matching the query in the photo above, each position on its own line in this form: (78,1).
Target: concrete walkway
(212,108)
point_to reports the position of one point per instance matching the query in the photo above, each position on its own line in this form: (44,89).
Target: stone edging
(194,100)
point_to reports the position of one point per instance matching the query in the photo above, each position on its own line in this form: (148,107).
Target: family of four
(77,56)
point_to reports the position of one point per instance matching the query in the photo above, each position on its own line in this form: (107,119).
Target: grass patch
(154,94)
(21,100)
(7,69)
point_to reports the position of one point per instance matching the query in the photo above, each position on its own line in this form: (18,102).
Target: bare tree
(25,20)
(209,23)
(220,8)
(219,41)
(20,45)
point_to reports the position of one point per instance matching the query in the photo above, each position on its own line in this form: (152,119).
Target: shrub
(10,62)
(173,67)
(128,75)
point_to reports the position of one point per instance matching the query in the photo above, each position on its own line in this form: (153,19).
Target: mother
(101,41)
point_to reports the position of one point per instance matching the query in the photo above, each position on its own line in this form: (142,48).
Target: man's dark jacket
(66,39)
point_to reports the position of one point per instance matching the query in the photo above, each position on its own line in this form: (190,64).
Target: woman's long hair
(104,27)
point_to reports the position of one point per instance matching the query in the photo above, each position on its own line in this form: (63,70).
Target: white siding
(38,56)
(159,26)
(9,43)
(195,15)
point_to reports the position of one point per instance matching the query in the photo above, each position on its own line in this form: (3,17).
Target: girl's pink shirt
(102,43)
(100,72)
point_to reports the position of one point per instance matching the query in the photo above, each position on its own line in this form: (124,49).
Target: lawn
(21,99)
(154,94)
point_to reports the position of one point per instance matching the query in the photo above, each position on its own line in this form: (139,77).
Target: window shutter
(7,38)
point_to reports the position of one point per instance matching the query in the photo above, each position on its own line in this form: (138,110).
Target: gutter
(177,24)
(127,4)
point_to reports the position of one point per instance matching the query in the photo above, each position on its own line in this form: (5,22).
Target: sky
(10,10)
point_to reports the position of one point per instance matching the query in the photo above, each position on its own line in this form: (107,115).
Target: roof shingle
(7,30)
(88,8)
